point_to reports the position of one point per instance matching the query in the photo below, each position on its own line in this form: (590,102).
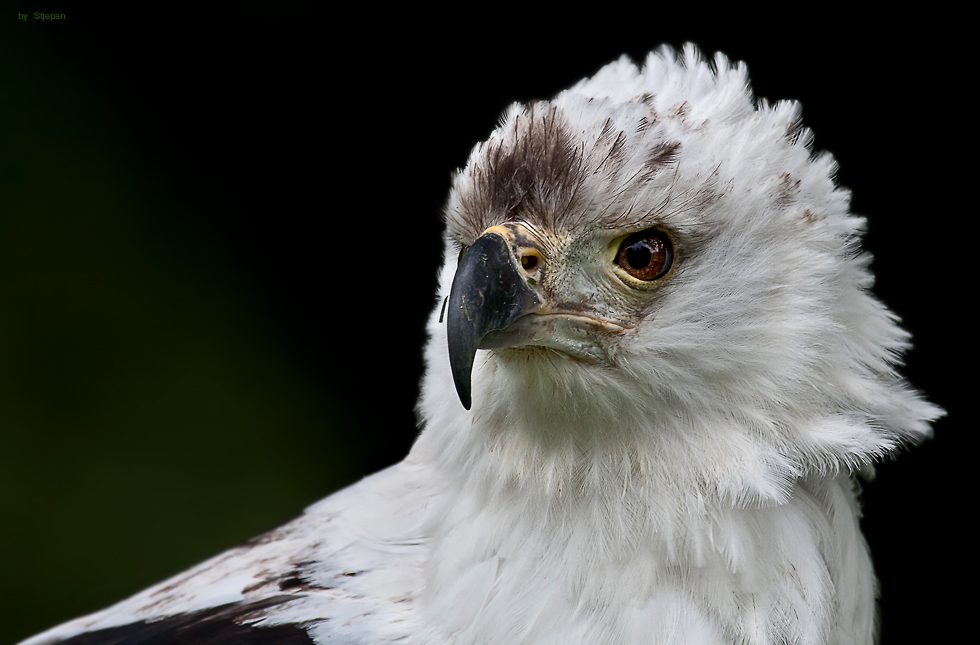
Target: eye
(646,255)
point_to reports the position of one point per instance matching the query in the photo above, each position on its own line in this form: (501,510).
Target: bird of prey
(654,373)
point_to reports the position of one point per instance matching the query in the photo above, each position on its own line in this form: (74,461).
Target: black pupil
(638,255)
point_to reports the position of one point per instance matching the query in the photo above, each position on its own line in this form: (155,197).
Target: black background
(218,240)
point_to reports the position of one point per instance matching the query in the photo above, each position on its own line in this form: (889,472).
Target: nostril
(529,262)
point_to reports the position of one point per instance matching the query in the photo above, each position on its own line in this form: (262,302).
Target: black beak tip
(461,378)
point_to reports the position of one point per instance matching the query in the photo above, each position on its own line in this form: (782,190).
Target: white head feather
(763,361)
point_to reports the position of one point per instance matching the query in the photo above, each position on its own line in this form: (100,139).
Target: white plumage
(663,459)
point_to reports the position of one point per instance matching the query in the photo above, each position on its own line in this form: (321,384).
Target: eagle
(655,374)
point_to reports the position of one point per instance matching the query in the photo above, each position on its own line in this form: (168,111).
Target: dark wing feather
(223,625)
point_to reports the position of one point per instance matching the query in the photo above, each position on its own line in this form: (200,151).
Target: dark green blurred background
(218,239)
(183,289)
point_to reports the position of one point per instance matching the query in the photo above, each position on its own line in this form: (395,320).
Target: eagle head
(655,271)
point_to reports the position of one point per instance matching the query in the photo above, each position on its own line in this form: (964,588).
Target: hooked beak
(490,291)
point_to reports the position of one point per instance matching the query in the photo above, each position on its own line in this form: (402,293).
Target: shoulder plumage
(347,569)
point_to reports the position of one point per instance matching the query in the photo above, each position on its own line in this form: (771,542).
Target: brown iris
(646,255)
